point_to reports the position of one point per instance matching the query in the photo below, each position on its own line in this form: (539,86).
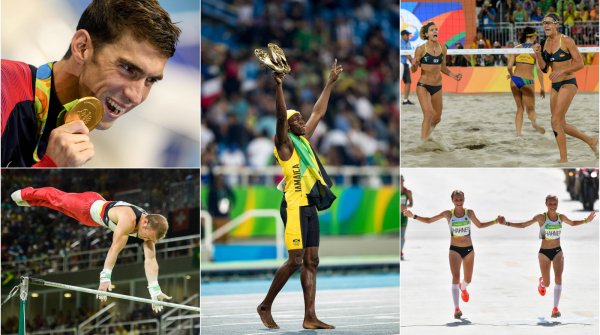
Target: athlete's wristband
(585,221)
(105,275)
(154,289)
(415,217)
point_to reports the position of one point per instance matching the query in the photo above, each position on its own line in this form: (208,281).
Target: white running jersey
(460,226)
(550,230)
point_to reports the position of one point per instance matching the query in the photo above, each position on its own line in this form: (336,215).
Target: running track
(355,304)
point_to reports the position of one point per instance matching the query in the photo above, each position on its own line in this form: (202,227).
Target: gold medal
(89,110)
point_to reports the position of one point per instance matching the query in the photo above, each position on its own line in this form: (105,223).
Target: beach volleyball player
(124,219)
(431,58)
(550,254)
(461,246)
(522,83)
(560,53)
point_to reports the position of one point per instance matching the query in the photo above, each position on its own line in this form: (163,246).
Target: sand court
(478,130)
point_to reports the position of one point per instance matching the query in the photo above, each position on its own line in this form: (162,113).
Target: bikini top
(525,58)
(550,230)
(559,56)
(460,226)
(430,59)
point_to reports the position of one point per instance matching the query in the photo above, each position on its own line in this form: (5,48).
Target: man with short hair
(306,189)
(118,52)
(124,219)
(404,59)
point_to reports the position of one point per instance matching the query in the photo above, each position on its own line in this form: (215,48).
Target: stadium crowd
(238,96)
(579,20)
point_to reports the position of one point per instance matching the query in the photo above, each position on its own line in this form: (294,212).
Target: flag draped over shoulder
(313,176)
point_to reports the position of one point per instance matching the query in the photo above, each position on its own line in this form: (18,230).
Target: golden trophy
(274,58)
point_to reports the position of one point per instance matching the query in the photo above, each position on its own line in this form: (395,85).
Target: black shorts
(550,253)
(301,226)
(462,251)
(406,73)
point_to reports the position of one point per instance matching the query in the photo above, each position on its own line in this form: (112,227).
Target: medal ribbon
(43,85)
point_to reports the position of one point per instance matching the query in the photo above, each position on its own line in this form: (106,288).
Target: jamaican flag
(313,176)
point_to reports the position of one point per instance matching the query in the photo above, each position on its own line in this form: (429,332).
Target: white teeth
(118,109)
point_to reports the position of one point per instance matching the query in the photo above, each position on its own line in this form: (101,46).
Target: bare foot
(265,316)
(594,147)
(316,324)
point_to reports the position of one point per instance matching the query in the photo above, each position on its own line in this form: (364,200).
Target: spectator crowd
(238,95)
(579,19)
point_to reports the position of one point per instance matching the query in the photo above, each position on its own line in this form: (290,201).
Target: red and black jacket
(19,123)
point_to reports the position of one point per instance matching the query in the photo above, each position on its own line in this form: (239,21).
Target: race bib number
(461,228)
(552,232)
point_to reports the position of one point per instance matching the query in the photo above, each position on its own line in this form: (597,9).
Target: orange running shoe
(541,287)
(457,313)
(555,312)
(463,293)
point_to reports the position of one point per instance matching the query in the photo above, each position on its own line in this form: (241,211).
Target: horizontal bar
(110,294)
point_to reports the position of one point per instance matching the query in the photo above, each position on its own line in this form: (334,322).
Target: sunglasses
(549,22)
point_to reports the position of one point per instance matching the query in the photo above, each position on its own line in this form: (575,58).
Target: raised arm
(283,143)
(578,222)
(442,215)
(478,223)
(321,105)
(538,218)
